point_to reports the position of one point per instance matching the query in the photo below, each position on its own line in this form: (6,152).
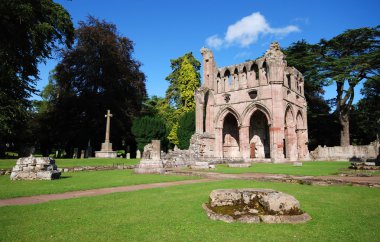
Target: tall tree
(184,80)
(97,74)
(365,115)
(30,32)
(348,59)
(306,57)
(173,92)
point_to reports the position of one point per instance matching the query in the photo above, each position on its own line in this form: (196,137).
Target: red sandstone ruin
(251,111)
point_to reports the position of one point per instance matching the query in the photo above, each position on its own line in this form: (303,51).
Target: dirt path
(208,177)
(93,192)
(373,181)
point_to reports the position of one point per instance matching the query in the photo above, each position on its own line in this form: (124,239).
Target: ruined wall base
(347,153)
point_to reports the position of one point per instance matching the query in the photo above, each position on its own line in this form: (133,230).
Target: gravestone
(88,150)
(128,156)
(75,153)
(82,154)
(151,161)
(106,150)
(138,154)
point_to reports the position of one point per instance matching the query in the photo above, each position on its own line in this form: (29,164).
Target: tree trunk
(345,129)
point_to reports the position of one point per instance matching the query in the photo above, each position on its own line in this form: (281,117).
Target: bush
(186,129)
(147,128)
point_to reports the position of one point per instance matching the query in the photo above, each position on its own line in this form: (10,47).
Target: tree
(365,115)
(186,129)
(173,92)
(147,128)
(184,80)
(31,31)
(305,57)
(348,59)
(97,74)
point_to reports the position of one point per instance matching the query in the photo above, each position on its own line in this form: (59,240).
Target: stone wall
(347,153)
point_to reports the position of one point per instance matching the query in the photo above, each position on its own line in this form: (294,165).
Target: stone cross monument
(106,151)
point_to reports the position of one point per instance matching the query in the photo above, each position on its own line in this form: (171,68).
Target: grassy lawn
(73,181)
(312,168)
(9,163)
(340,213)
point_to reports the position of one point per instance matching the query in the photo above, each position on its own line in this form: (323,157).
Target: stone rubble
(35,168)
(250,205)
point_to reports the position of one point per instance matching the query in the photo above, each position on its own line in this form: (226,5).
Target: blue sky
(235,30)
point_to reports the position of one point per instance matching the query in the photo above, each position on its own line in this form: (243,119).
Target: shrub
(186,129)
(147,128)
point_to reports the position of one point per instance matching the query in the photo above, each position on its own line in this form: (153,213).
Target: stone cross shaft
(108,116)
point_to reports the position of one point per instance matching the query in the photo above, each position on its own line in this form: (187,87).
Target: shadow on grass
(64,177)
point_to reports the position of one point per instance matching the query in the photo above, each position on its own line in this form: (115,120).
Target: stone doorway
(259,135)
(230,137)
(253,150)
(291,152)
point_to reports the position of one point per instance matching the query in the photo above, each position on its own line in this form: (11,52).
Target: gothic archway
(230,136)
(259,138)
(301,137)
(290,150)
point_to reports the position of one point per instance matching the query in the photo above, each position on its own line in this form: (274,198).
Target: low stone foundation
(250,205)
(347,153)
(35,168)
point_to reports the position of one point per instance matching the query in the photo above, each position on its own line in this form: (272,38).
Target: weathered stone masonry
(253,110)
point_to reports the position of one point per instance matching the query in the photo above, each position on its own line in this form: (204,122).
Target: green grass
(95,162)
(7,163)
(73,181)
(312,168)
(61,163)
(339,213)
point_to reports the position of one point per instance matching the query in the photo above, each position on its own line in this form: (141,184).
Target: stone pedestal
(150,167)
(151,162)
(106,151)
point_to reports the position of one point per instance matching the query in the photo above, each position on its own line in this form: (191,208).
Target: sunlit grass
(339,213)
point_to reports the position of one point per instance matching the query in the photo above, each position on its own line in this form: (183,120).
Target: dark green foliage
(323,128)
(346,60)
(186,129)
(365,116)
(147,128)
(97,74)
(30,32)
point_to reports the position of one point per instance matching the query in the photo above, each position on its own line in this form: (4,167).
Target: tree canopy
(97,74)
(322,127)
(183,81)
(30,32)
(346,60)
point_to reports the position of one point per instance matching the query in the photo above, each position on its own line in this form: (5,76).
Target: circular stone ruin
(251,205)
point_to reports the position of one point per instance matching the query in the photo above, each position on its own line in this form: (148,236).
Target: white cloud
(247,30)
(214,41)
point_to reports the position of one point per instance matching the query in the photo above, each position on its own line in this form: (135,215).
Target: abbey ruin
(251,111)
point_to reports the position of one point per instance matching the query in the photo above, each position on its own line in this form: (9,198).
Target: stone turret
(208,68)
